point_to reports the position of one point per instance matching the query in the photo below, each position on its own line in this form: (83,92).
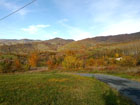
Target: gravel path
(127,87)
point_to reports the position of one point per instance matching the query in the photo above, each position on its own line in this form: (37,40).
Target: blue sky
(69,19)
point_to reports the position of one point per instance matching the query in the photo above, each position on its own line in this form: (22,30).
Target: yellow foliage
(128,61)
(52,62)
(71,62)
(58,80)
(116,55)
(90,62)
(100,62)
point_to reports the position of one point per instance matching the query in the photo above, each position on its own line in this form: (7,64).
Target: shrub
(90,62)
(33,59)
(52,62)
(17,65)
(100,62)
(26,67)
(71,62)
(6,66)
(128,61)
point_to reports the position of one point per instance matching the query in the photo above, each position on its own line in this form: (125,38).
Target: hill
(105,40)
(15,41)
(116,38)
(26,45)
(59,44)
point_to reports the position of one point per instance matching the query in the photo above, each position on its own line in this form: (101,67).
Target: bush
(52,62)
(10,65)
(100,62)
(90,62)
(33,59)
(17,65)
(26,67)
(71,62)
(6,66)
(128,61)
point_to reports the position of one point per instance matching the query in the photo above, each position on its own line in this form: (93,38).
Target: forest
(72,55)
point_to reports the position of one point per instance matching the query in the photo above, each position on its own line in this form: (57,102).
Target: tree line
(69,59)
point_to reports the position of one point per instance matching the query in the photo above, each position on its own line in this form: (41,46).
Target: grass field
(56,89)
(129,73)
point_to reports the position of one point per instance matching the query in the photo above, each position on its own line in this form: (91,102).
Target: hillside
(90,42)
(26,46)
(15,41)
(58,44)
(116,38)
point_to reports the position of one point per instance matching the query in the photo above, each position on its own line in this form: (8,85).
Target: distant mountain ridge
(25,41)
(116,38)
(15,41)
(26,45)
(90,42)
(59,44)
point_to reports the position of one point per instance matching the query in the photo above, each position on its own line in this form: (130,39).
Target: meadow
(22,83)
(53,88)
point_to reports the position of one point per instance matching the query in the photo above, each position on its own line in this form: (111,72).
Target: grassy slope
(123,75)
(129,73)
(128,76)
(56,89)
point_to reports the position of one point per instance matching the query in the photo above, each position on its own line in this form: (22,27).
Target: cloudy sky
(69,19)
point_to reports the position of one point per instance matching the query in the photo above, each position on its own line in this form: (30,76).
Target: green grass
(129,75)
(56,89)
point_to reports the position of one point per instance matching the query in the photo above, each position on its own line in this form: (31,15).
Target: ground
(126,87)
(50,88)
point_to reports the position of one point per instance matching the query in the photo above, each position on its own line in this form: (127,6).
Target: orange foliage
(90,62)
(128,61)
(70,52)
(33,59)
(52,62)
(17,64)
(100,62)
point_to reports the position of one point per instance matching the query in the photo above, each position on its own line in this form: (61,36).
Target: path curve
(128,88)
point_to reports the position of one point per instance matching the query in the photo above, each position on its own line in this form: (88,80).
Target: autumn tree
(70,52)
(90,62)
(17,64)
(71,62)
(128,61)
(52,63)
(6,66)
(33,59)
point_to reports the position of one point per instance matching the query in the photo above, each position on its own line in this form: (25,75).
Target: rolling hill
(26,46)
(59,44)
(104,40)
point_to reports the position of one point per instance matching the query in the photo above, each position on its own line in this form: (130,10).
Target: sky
(68,19)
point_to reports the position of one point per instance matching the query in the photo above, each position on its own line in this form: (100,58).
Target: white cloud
(100,13)
(12,7)
(78,34)
(75,32)
(122,27)
(33,29)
